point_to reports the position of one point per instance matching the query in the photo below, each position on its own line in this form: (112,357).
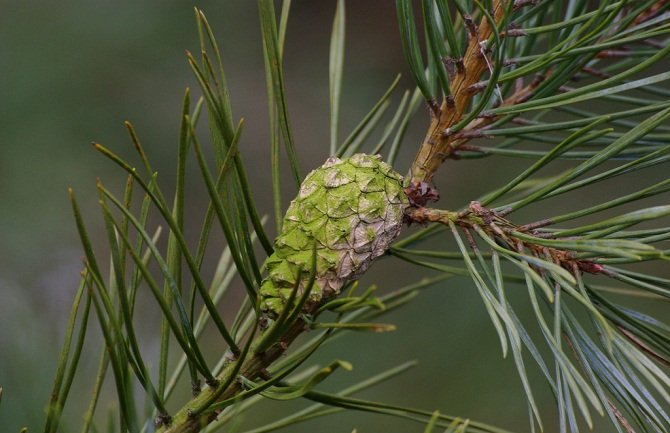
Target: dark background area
(72,73)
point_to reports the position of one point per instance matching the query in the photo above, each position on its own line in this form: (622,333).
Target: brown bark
(439,144)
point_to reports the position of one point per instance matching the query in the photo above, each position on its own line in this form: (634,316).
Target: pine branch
(251,365)
(347,213)
(440,138)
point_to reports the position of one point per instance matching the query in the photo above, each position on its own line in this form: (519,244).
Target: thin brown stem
(438,145)
(503,232)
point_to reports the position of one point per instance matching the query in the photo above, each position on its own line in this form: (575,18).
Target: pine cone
(349,210)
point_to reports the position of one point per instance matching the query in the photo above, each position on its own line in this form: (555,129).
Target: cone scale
(347,212)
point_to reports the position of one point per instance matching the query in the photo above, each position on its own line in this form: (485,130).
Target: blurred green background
(72,72)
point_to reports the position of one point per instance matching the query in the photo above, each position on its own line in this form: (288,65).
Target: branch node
(212,383)
(264,374)
(231,355)
(470,24)
(513,33)
(264,322)
(196,387)
(476,88)
(420,193)
(460,66)
(434,107)
(163,419)
(453,67)
(590,267)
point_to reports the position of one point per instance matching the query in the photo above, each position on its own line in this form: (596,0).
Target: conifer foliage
(566,84)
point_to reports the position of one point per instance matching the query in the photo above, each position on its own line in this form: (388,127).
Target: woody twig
(441,141)
(439,144)
(505,233)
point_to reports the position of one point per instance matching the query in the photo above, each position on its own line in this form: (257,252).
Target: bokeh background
(72,72)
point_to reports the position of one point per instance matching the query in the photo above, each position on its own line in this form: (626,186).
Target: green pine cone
(349,210)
